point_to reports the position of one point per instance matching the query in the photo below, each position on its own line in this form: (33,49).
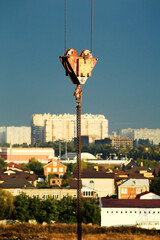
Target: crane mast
(78,68)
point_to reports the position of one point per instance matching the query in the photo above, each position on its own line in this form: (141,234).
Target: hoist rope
(65,25)
(91,25)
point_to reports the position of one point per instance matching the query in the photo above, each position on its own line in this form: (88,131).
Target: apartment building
(52,127)
(15,135)
(152,134)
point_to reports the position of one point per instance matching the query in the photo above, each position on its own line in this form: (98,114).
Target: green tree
(6,204)
(155,186)
(35,166)
(2,163)
(22,204)
(67,210)
(49,211)
(90,211)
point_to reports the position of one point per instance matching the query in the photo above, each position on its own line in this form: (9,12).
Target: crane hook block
(78,68)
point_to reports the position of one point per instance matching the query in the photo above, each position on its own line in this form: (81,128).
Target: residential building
(15,135)
(52,127)
(147,195)
(55,182)
(152,134)
(131,187)
(56,168)
(100,181)
(12,175)
(23,155)
(142,213)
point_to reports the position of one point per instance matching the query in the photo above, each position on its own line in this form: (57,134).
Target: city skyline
(124,85)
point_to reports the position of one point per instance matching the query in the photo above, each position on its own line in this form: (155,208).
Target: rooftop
(130,203)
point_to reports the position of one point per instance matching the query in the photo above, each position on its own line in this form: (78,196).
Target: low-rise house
(18,173)
(16,185)
(55,167)
(55,182)
(100,181)
(86,192)
(130,188)
(147,195)
(142,213)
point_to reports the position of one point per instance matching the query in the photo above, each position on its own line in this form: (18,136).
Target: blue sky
(125,83)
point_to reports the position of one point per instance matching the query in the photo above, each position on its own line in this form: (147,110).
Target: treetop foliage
(23,208)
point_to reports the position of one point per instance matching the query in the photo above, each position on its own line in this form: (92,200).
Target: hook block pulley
(78,68)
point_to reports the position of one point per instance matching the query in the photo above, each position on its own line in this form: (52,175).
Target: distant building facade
(15,135)
(49,128)
(152,134)
(117,142)
(23,155)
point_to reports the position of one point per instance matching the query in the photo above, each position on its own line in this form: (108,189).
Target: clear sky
(125,83)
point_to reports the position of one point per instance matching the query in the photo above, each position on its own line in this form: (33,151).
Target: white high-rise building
(47,127)
(136,134)
(15,135)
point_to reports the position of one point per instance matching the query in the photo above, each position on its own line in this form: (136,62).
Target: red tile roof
(130,203)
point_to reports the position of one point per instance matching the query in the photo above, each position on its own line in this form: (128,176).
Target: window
(36,195)
(61,169)
(138,190)
(54,169)
(48,169)
(45,196)
(124,190)
(55,164)
(55,196)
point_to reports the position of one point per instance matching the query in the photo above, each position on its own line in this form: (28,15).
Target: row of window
(87,193)
(54,196)
(55,169)
(125,190)
(139,212)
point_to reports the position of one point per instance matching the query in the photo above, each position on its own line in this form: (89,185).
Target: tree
(90,211)
(2,163)
(154,186)
(49,210)
(21,211)
(6,204)
(67,210)
(35,166)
